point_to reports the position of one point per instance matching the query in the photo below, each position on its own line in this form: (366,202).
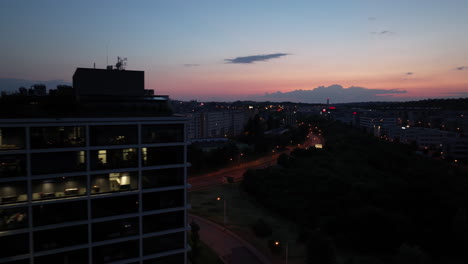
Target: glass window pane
(12,138)
(114,182)
(12,166)
(60,237)
(162,178)
(114,206)
(165,221)
(162,133)
(114,159)
(113,135)
(115,252)
(57,137)
(173,259)
(47,214)
(59,188)
(13,218)
(162,243)
(14,245)
(13,192)
(162,200)
(70,257)
(115,229)
(57,162)
(162,155)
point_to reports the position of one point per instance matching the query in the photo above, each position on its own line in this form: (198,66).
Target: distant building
(377,125)
(216,124)
(38,90)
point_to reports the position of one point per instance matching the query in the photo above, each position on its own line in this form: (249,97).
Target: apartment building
(94,187)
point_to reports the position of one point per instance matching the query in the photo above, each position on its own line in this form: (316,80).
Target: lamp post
(224,210)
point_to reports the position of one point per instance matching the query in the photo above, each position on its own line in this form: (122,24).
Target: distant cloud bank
(461,68)
(189,65)
(337,94)
(254,58)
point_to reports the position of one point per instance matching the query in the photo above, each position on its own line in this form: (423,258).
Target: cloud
(461,68)
(372,18)
(409,73)
(337,93)
(383,32)
(254,58)
(189,65)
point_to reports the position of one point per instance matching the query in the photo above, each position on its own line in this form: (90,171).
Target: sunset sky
(229,50)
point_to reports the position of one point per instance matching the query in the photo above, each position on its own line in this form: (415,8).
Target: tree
(320,248)
(410,255)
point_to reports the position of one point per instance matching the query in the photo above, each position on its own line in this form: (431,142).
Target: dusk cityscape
(253,132)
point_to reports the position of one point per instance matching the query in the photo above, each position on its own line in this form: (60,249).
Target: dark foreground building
(94,186)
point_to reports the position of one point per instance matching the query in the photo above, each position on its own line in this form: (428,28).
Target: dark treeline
(444,104)
(370,198)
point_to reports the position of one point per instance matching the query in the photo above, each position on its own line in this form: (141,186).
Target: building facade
(93,190)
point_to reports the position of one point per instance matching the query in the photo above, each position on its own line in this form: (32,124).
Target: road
(217,178)
(228,246)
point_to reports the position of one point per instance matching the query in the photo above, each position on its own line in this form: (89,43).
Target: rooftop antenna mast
(107,55)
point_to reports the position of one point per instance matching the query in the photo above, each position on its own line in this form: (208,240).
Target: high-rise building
(93,188)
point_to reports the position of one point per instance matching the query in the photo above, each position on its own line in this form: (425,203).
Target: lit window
(102,156)
(81,157)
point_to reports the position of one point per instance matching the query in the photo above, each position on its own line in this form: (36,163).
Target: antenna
(107,55)
(121,63)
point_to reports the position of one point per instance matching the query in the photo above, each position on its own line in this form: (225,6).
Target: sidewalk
(230,248)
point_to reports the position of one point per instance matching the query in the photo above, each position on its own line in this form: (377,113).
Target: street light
(277,243)
(224,210)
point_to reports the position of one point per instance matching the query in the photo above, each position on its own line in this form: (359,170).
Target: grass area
(242,212)
(205,256)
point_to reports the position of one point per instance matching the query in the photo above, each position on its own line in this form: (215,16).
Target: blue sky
(353,43)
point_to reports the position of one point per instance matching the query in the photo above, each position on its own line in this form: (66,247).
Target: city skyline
(211,50)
